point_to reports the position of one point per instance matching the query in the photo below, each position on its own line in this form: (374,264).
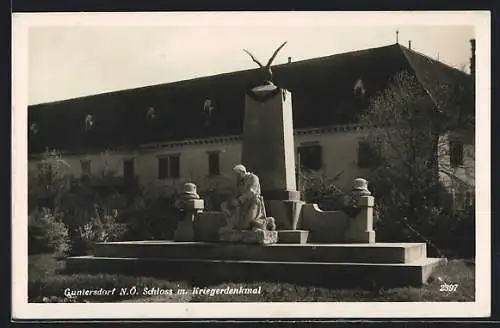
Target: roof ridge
(406,49)
(417,74)
(219,75)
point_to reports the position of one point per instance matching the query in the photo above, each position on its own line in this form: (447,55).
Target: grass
(46,284)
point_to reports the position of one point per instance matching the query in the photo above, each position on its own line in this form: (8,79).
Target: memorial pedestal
(185,229)
(293,236)
(268,151)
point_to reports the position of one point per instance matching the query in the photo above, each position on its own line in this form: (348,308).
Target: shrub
(449,233)
(156,221)
(99,229)
(317,188)
(47,232)
(47,181)
(454,232)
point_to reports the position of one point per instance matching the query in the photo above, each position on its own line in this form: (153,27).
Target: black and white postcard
(251,165)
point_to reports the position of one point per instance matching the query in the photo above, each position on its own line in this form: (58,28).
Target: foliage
(449,234)
(214,192)
(214,189)
(101,228)
(47,232)
(157,219)
(48,181)
(93,205)
(405,176)
(317,187)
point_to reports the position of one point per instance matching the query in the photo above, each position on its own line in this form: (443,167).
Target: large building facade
(335,150)
(190,130)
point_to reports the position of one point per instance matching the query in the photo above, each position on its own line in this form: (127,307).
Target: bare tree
(49,179)
(409,142)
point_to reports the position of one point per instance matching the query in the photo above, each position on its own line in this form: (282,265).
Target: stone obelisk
(268,151)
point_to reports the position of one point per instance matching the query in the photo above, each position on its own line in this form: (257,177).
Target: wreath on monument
(266,96)
(267,77)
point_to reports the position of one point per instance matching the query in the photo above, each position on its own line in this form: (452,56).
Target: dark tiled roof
(449,88)
(322,90)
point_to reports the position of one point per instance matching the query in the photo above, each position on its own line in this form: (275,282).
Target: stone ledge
(184,231)
(293,236)
(262,237)
(284,252)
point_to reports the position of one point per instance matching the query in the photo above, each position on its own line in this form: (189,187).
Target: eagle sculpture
(267,72)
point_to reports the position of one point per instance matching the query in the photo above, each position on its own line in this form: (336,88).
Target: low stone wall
(323,226)
(352,225)
(207,225)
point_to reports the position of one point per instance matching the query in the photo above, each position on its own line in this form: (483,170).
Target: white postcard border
(23,310)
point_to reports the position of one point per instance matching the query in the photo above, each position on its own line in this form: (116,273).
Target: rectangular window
(86,167)
(456,153)
(469,198)
(169,167)
(175,166)
(213,163)
(368,155)
(128,169)
(163,168)
(310,157)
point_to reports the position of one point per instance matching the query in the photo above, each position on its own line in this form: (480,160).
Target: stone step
(332,253)
(204,272)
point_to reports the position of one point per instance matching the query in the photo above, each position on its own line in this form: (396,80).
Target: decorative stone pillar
(190,203)
(268,151)
(360,228)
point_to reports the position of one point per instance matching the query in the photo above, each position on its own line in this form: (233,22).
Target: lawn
(45,284)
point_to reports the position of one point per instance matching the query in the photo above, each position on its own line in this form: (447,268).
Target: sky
(87,57)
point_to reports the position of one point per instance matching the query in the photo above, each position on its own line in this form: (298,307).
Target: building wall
(339,154)
(339,147)
(457,178)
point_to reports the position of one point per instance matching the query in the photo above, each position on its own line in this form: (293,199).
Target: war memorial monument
(266,232)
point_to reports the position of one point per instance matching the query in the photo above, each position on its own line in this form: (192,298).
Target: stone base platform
(394,264)
(204,272)
(335,253)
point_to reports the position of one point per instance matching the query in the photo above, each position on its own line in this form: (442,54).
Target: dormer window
(34,128)
(89,122)
(208,106)
(359,88)
(151,114)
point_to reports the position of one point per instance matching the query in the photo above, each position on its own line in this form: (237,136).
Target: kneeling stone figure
(246,211)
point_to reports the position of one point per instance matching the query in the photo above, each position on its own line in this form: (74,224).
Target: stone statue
(188,192)
(359,189)
(190,204)
(268,74)
(246,211)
